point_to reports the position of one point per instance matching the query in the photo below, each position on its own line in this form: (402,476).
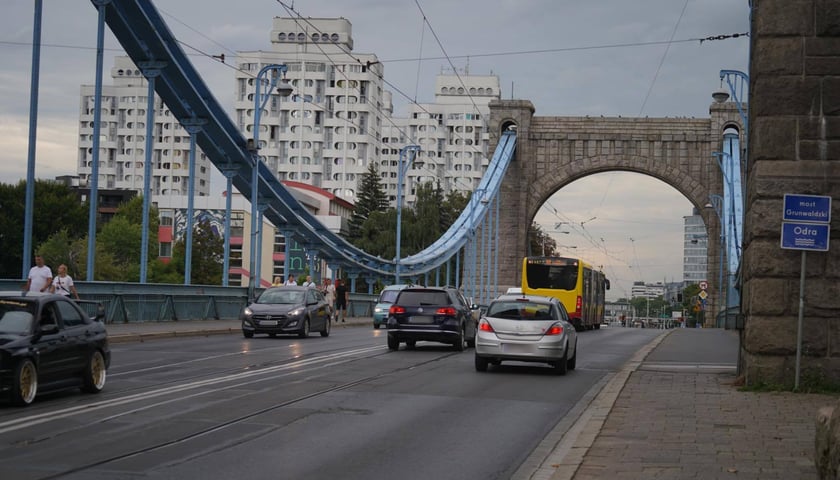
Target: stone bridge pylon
(552,152)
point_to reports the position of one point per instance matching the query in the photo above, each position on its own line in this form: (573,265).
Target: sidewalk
(654,419)
(662,420)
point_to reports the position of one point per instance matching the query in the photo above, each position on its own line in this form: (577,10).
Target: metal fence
(134,302)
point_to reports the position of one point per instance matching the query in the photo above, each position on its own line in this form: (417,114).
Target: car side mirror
(49,329)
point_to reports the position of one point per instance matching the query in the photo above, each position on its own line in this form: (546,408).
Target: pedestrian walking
(62,284)
(40,277)
(308,282)
(341,298)
(329,294)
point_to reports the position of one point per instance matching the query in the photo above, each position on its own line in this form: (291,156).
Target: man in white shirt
(40,277)
(291,281)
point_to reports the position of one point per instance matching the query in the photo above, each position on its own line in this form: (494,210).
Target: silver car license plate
(268,322)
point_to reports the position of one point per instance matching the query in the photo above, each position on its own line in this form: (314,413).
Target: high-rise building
(451,133)
(122,141)
(695,247)
(326,132)
(338,120)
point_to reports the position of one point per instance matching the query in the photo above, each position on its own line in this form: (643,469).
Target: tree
(453,205)
(371,198)
(378,235)
(56,208)
(207,256)
(540,243)
(62,248)
(424,226)
(118,244)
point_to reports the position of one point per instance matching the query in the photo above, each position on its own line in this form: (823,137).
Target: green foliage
(811,380)
(378,235)
(207,257)
(540,243)
(62,248)
(454,203)
(371,198)
(424,220)
(656,307)
(56,208)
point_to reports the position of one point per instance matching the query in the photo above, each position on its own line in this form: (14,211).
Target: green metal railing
(135,302)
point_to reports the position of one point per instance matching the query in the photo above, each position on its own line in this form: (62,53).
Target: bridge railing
(134,302)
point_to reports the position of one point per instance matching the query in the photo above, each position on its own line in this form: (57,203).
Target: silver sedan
(526,329)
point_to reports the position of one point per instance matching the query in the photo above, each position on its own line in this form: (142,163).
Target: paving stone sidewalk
(673,425)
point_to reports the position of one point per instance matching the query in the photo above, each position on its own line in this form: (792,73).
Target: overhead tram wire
(448,59)
(467,56)
(576,49)
(662,60)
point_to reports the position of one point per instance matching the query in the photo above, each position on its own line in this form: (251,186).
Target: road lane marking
(31,420)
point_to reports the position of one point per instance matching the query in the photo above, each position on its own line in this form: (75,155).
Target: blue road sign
(805,236)
(806,208)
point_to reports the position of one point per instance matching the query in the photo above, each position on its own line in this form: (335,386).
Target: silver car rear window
(520,311)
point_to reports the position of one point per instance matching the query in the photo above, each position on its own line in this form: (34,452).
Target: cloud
(568,58)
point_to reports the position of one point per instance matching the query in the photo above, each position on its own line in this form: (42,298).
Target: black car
(285,310)
(437,314)
(48,342)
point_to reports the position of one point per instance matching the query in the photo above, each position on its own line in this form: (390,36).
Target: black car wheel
(481,364)
(393,343)
(25,383)
(326,331)
(247,334)
(561,366)
(95,373)
(305,332)
(459,343)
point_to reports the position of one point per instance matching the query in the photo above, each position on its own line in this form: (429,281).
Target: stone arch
(552,152)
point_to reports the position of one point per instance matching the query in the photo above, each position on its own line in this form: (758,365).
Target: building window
(165,250)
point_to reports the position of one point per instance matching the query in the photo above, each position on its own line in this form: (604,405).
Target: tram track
(240,418)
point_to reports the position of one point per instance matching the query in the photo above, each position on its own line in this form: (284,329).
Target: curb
(568,453)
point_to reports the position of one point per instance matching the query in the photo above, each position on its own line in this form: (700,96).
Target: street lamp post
(262,91)
(402,169)
(716,202)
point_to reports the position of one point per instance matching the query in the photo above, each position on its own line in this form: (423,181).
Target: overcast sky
(598,57)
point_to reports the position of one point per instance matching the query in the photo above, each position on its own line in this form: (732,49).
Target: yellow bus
(581,288)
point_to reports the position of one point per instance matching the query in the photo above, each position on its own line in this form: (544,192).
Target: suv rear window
(423,297)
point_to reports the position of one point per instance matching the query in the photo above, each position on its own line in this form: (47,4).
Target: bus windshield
(559,277)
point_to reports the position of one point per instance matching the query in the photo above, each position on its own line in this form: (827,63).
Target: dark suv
(437,314)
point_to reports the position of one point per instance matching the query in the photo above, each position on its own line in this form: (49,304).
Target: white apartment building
(649,290)
(695,248)
(327,131)
(338,120)
(122,141)
(451,133)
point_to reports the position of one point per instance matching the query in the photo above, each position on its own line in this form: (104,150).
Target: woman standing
(62,284)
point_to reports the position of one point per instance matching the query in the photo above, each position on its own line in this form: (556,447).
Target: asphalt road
(222,407)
